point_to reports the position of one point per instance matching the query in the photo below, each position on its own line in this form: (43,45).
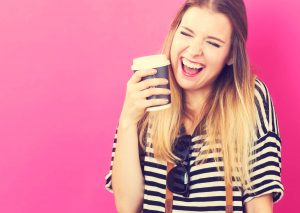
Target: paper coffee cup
(161,64)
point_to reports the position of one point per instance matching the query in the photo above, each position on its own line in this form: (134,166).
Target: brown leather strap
(169,194)
(229,198)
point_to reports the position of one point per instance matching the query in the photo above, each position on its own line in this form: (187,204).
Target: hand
(137,92)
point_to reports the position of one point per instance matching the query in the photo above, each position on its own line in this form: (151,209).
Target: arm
(261,204)
(127,178)
(265,178)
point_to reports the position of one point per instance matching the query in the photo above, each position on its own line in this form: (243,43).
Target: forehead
(205,21)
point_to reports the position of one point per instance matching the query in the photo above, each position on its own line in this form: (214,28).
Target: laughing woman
(217,148)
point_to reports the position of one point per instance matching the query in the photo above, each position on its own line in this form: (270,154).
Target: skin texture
(128,181)
(261,204)
(197,47)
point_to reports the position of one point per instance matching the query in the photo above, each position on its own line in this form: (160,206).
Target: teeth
(190,64)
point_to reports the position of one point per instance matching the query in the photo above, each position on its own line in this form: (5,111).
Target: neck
(194,102)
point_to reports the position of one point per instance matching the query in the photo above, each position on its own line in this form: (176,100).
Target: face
(200,48)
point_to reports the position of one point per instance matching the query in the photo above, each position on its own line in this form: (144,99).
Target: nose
(195,48)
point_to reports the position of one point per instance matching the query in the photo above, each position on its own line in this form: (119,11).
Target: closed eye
(214,44)
(184,33)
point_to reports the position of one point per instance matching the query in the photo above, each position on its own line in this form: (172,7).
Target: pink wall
(63,70)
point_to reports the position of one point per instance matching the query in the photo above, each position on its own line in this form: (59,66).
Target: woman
(222,116)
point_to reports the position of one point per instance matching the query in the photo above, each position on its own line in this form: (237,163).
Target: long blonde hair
(229,112)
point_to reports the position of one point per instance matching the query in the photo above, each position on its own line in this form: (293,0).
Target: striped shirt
(207,186)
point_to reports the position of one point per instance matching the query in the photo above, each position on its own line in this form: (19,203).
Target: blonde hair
(229,112)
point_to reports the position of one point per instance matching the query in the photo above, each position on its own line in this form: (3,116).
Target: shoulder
(261,90)
(267,119)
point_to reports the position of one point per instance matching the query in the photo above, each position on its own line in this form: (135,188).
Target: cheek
(177,44)
(172,56)
(215,59)
(174,53)
(176,49)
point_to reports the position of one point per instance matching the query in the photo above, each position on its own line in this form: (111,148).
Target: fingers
(153,82)
(138,90)
(154,102)
(154,91)
(138,75)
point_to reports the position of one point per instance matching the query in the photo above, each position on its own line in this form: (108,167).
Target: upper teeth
(190,64)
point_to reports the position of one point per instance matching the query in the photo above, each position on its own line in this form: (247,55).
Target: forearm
(261,204)
(127,178)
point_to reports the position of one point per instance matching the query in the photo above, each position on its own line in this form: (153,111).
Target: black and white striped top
(207,186)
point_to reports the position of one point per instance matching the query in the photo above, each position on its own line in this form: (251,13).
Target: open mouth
(190,72)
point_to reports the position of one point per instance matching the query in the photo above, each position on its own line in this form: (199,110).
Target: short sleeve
(265,159)
(108,182)
(108,177)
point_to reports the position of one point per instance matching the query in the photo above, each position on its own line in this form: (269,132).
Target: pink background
(63,71)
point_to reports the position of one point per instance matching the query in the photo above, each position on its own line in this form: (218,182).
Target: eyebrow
(211,37)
